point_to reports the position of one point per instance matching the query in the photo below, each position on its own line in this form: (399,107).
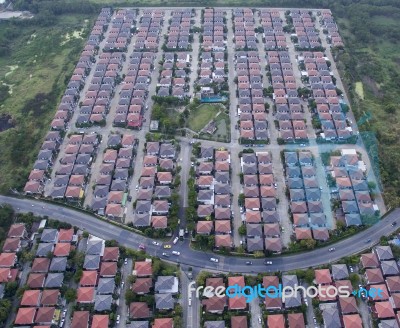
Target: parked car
(156,243)
(176,240)
(142,247)
(213,259)
(176,253)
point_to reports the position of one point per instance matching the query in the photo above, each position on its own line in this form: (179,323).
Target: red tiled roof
(163,323)
(25,316)
(89,278)
(62,249)
(65,235)
(30,298)
(100,321)
(85,295)
(7,259)
(143,268)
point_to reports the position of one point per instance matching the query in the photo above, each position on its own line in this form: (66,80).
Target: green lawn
(202,115)
(36,69)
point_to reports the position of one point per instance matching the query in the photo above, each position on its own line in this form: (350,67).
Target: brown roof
(139,310)
(374,276)
(142,285)
(214,304)
(11,244)
(108,268)
(36,280)
(45,315)
(296,320)
(204,226)
(80,319)
(239,322)
(348,305)
(369,260)
(383,310)
(16,230)
(215,282)
(323,276)
(143,268)
(236,280)
(303,233)
(49,297)
(110,254)
(40,264)
(270,281)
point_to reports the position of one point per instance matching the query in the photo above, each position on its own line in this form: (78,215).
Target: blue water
(213,99)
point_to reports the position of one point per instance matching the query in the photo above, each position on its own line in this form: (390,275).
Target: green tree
(70,295)
(129,296)
(242,230)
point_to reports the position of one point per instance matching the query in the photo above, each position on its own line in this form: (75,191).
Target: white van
(176,240)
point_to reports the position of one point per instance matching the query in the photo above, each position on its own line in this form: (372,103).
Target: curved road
(201,259)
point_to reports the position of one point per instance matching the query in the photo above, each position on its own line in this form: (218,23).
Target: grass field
(202,115)
(36,71)
(360,90)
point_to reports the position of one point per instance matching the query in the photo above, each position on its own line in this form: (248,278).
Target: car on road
(394,223)
(126,261)
(190,301)
(331,249)
(156,243)
(137,187)
(192,164)
(302,145)
(118,318)
(268,262)
(142,247)
(176,240)
(368,241)
(259,320)
(249,263)
(122,284)
(167,246)
(305,301)
(213,259)
(165,254)
(176,253)
(241,209)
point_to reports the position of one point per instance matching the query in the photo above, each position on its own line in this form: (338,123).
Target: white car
(156,243)
(213,259)
(259,320)
(268,262)
(137,187)
(305,301)
(176,253)
(118,318)
(126,261)
(176,240)
(122,284)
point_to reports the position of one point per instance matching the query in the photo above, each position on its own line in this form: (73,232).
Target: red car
(141,246)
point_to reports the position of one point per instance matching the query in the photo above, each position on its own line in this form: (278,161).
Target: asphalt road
(201,259)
